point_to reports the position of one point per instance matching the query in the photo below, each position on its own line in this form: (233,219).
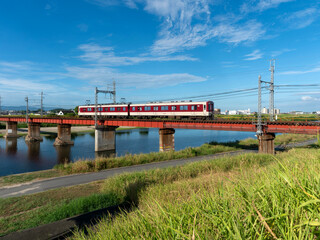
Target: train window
(183,107)
(123,109)
(83,109)
(89,109)
(194,107)
(164,108)
(133,108)
(147,108)
(105,109)
(112,109)
(139,108)
(118,109)
(100,109)
(173,108)
(204,107)
(155,108)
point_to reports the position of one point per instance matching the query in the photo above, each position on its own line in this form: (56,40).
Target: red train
(177,110)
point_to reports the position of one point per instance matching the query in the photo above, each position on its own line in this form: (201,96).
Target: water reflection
(123,132)
(17,156)
(63,154)
(106,154)
(34,151)
(50,136)
(11,146)
(144,132)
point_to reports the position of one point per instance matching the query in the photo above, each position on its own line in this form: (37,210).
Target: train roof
(170,103)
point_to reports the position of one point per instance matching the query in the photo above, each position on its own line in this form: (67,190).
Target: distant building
(238,112)
(317,112)
(265,110)
(244,112)
(276,111)
(60,113)
(232,112)
(217,111)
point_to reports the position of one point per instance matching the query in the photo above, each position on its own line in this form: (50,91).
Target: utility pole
(271,98)
(96,108)
(27,110)
(259,125)
(114,92)
(96,100)
(41,103)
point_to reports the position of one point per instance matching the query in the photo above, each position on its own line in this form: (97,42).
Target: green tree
(76,110)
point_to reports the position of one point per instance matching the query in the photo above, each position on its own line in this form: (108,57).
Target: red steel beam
(272,127)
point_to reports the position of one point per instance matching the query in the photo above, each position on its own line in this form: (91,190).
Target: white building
(265,110)
(232,112)
(60,113)
(244,112)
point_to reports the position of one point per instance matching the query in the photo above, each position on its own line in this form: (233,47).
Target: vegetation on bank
(211,199)
(33,210)
(129,160)
(244,197)
(99,164)
(265,117)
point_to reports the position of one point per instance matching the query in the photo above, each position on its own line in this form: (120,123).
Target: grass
(27,177)
(245,197)
(32,210)
(135,159)
(162,186)
(129,160)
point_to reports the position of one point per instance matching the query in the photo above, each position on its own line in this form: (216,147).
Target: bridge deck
(225,125)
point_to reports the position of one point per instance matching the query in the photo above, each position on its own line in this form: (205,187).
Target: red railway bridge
(105,131)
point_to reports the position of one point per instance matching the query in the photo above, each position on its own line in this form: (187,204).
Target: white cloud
(309,98)
(108,3)
(261,5)
(99,75)
(280,52)
(26,86)
(100,55)
(187,24)
(313,70)
(256,54)
(302,18)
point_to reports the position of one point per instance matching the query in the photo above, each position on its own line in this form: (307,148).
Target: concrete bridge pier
(266,143)
(64,135)
(166,139)
(33,133)
(11,130)
(105,138)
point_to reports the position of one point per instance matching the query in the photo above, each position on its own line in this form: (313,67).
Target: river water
(17,156)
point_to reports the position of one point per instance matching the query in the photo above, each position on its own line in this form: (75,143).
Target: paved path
(71,180)
(76,179)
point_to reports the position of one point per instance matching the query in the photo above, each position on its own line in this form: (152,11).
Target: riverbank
(54,130)
(248,197)
(174,184)
(89,165)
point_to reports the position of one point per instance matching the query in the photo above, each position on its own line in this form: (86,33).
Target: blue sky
(158,50)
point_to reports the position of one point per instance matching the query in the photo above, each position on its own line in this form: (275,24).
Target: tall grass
(135,159)
(274,201)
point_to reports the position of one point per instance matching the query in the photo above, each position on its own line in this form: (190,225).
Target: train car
(106,110)
(177,110)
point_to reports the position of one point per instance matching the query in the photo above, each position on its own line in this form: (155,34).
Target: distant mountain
(23,108)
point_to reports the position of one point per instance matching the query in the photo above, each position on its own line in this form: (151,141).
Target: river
(17,156)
